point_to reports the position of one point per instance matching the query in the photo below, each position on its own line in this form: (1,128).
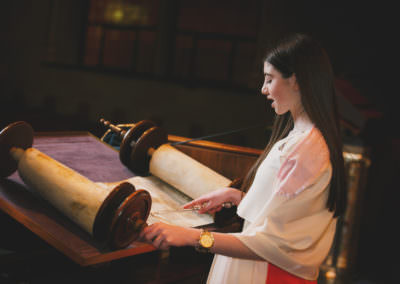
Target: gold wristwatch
(206,241)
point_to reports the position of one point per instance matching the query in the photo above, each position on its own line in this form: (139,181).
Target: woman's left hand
(163,235)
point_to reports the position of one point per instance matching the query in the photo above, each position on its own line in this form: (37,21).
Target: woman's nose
(264,90)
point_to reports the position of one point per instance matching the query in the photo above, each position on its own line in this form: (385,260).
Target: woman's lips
(273,101)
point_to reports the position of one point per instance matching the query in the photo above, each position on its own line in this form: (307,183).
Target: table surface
(93,159)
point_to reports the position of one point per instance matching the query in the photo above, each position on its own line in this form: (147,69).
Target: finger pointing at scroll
(212,202)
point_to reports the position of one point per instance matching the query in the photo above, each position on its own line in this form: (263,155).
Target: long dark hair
(301,55)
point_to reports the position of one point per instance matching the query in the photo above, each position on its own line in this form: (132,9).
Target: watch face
(206,241)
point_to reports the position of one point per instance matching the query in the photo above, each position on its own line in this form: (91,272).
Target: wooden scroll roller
(144,150)
(113,217)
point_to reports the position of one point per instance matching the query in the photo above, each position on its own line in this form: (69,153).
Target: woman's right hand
(213,201)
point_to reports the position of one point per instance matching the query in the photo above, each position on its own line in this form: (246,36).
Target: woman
(295,190)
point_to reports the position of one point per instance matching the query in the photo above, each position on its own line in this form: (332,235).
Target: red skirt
(275,275)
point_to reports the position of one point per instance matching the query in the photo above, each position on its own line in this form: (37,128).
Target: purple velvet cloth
(85,154)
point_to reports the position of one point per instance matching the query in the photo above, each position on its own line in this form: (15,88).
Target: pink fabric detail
(276,275)
(303,164)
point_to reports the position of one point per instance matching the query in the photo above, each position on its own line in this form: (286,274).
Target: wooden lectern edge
(216,145)
(133,249)
(36,229)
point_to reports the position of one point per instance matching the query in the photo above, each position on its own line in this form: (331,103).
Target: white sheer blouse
(286,219)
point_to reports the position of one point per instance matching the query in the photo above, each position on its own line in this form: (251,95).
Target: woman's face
(284,92)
